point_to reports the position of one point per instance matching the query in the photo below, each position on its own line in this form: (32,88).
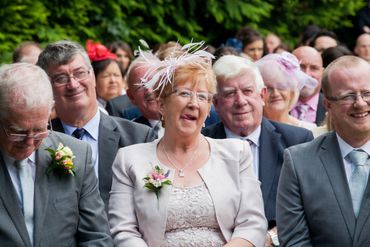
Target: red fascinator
(98,52)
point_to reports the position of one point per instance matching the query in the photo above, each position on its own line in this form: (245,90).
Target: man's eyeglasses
(15,137)
(64,79)
(202,97)
(351,98)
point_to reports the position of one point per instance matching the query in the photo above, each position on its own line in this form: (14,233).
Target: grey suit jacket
(114,133)
(314,205)
(68,210)
(138,219)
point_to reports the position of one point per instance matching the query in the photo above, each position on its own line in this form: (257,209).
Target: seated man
(323,194)
(239,103)
(46,199)
(73,82)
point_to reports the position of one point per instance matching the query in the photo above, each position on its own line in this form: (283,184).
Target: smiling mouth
(73,94)
(360,115)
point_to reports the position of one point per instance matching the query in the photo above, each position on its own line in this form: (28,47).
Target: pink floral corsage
(156,179)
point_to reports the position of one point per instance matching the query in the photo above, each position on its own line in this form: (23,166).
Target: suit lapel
(216,131)
(142,120)
(332,161)
(320,112)
(364,213)
(269,147)
(42,188)
(108,146)
(57,125)
(10,201)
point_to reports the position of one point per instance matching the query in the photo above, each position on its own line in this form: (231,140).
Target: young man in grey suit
(39,206)
(239,104)
(323,194)
(73,82)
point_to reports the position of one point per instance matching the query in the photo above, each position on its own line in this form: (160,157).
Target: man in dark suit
(143,98)
(310,106)
(239,104)
(116,106)
(73,82)
(324,194)
(41,206)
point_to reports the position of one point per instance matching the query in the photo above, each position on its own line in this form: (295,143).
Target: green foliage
(158,21)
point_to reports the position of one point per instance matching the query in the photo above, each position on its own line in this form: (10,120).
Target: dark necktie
(79,133)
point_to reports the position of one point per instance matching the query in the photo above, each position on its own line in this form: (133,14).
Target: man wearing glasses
(73,82)
(324,194)
(38,206)
(239,103)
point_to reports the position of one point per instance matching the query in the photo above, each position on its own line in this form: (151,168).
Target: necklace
(181,173)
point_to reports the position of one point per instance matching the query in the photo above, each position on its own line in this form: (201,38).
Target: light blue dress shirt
(91,136)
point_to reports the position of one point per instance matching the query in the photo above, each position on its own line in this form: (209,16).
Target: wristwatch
(274,238)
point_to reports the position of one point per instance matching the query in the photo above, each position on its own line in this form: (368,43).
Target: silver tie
(27,187)
(358,178)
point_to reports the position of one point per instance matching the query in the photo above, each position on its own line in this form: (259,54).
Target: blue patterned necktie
(27,187)
(79,133)
(357,181)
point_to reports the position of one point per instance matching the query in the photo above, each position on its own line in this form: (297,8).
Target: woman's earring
(204,124)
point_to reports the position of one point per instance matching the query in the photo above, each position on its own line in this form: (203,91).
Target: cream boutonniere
(62,160)
(156,179)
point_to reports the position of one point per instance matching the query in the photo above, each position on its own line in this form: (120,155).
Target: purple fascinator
(160,72)
(290,65)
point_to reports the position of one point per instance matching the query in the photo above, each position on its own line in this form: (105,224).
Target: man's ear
(131,96)
(327,104)
(263,95)
(161,105)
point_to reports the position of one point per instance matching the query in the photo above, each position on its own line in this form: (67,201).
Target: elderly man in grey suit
(73,82)
(42,204)
(324,194)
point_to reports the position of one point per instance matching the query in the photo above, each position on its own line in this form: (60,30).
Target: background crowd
(253,143)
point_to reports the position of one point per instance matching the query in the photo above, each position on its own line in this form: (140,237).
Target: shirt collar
(10,160)
(91,127)
(312,102)
(254,136)
(345,148)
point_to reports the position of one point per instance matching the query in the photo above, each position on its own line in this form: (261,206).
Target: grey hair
(24,86)
(231,66)
(135,64)
(61,53)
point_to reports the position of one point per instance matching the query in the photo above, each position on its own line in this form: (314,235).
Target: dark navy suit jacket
(274,138)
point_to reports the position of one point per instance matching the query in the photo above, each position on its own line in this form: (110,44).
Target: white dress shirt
(253,137)
(345,149)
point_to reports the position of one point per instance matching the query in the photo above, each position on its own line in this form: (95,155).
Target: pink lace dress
(191,219)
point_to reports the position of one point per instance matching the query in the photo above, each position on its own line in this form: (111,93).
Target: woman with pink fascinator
(185,189)
(283,79)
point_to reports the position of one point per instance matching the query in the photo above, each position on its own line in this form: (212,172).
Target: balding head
(344,62)
(311,63)
(362,48)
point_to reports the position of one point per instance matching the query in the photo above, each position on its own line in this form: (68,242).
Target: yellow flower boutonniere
(62,160)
